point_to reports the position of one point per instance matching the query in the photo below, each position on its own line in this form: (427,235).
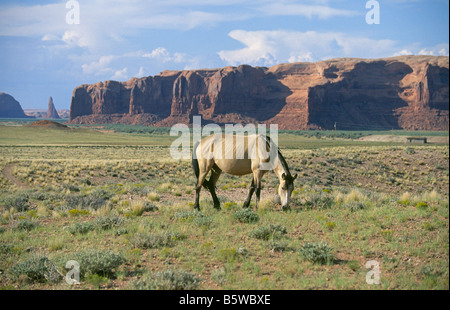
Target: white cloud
(162,54)
(35,20)
(105,22)
(159,52)
(100,67)
(140,73)
(120,74)
(424,51)
(75,38)
(437,50)
(320,11)
(302,58)
(270,47)
(117,67)
(50,37)
(403,52)
(443,52)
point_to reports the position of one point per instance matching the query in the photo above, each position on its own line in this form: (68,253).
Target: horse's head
(285,189)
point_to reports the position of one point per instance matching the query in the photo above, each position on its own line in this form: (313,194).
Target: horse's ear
(295,176)
(283,176)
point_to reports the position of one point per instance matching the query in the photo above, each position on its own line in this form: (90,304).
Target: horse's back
(233,154)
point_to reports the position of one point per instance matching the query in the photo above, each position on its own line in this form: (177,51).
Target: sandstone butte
(406,92)
(10,107)
(51,111)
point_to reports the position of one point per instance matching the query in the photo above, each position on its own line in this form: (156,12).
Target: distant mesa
(42,113)
(47,124)
(406,92)
(51,111)
(10,107)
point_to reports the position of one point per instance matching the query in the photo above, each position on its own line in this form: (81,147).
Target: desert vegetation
(124,212)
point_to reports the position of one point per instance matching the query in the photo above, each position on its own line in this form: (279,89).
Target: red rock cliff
(409,92)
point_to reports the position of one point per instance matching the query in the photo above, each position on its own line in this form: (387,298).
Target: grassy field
(119,205)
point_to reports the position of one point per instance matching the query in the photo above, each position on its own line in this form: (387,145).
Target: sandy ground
(8,174)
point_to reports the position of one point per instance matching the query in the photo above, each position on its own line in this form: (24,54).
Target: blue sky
(41,55)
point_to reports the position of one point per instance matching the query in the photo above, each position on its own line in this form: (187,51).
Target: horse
(247,155)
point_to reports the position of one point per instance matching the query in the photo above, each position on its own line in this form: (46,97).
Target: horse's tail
(195,166)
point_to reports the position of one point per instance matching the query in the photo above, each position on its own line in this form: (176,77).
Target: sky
(49,47)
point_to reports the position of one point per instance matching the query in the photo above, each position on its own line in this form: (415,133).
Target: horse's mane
(282,160)
(284,164)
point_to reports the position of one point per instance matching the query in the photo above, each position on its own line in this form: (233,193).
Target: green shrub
(196,217)
(204,221)
(101,263)
(168,280)
(228,255)
(387,234)
(278,246)
(153,240)
(37,195)
(18,201)
(95,200)
(318,253)
(355,205)
(428,226)
(246,216)
(353,265)
(36,269)
(27,225)
(76,212)
(108,222)
(422,205)
(81,228)
(404,202)
(6,249)
(317,201)
(121,232)
(330,225)
(219,276)
(150,207)
(96,280)
(188,216)
(230,205)
(410,150)
(71,187)
(269,232)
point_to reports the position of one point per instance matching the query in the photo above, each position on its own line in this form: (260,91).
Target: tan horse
(240,155)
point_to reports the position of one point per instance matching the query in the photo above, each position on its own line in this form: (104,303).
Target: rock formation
(42,113)
(10,107)
(51,111)
(47,124)
(407,92)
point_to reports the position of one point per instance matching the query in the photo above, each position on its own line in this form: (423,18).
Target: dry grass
(366,202)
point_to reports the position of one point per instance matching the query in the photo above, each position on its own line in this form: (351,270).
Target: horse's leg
(215,174)
(204,167)
(258,195)
(257,175)
(250,193)
(198,188)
